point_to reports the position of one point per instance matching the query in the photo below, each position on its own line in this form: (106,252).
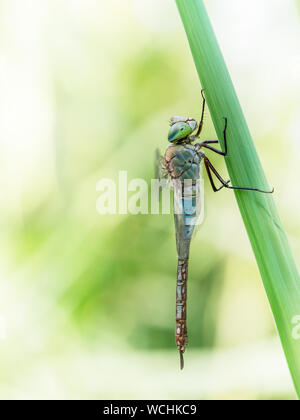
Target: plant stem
(268,239)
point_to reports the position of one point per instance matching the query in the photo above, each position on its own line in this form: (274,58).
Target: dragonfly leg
(211,169)
(206,143)
(207,166)
(202,115)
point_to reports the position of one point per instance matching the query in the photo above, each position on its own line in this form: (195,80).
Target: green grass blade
(268,239)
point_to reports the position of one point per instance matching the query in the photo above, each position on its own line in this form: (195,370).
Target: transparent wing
(161,174)
(200,203)
(159,166)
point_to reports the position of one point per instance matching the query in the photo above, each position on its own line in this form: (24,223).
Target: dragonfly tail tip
(181,360)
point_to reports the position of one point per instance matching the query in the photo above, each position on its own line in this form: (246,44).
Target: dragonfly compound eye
(179,131)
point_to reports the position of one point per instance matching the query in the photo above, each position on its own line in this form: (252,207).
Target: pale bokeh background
(87,301)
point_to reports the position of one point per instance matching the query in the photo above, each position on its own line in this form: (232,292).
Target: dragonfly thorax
(183,161)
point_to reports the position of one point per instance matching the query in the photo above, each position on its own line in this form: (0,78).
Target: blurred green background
(87,301)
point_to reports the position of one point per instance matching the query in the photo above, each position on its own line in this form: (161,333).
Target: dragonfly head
(181,128)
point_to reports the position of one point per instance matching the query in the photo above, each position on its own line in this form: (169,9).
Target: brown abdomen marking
(181,330)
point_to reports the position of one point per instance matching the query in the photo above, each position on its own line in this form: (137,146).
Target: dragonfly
(181,165)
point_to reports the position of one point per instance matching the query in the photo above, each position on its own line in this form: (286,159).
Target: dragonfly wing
(199,203)
(183,239)
(188,205)
(161,173)
(160,169)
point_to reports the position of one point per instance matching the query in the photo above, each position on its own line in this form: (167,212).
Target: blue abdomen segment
(187,206)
